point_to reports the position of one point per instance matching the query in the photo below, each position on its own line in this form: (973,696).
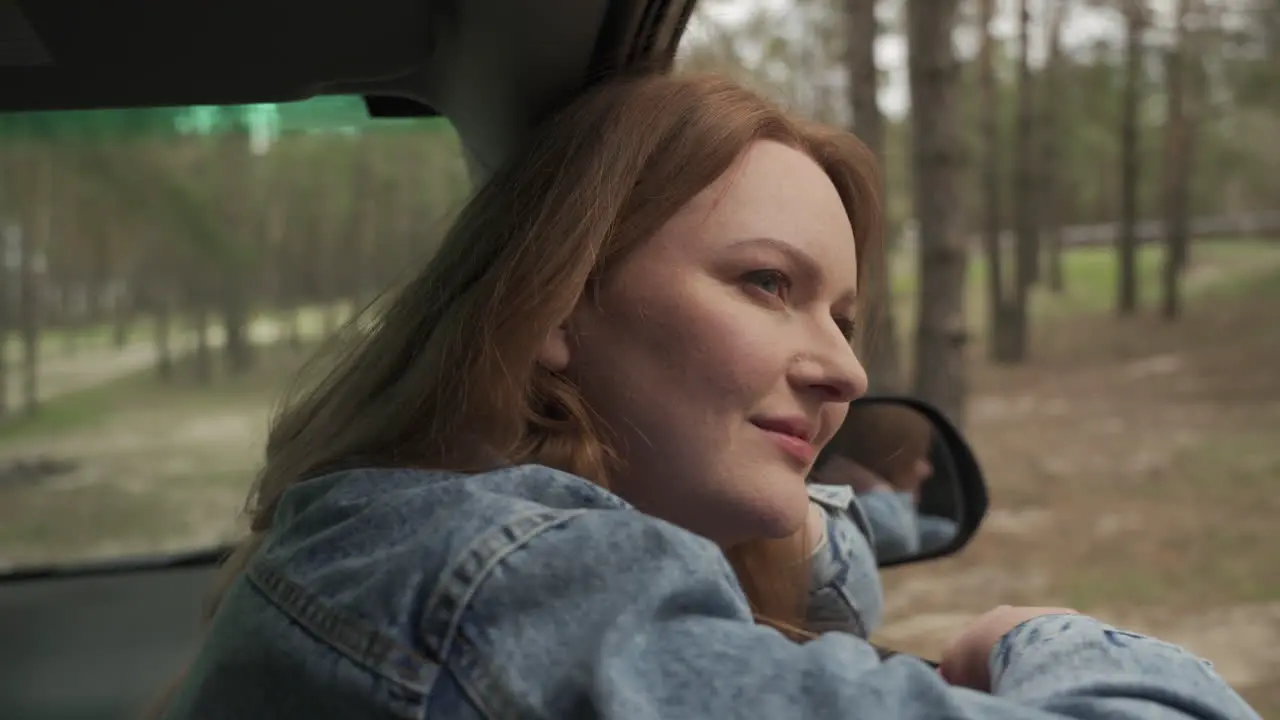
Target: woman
(515,498)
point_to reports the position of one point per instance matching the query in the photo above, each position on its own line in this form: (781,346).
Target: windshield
(165,274)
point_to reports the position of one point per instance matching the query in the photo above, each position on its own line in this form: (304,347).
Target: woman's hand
(967,661)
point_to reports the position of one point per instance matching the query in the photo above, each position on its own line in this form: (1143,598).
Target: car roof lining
(494,67)
(152,52)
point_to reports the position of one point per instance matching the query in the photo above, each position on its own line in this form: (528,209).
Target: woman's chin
(780,517)
(763,511)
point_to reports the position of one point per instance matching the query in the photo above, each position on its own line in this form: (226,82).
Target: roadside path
(61,374)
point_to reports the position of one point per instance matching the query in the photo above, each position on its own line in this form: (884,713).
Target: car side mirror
(918,483)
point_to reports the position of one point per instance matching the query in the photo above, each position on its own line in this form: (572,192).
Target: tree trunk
(204,353)
(1177,175)
(158,298)
(884,368)
(937,159)
(32,266)
(198,306)
(66,280)
(1025,192)
(295,329)
(1127,241)
(128,300)
(328,240)
(163,315)
(123,317)
(278,257)
(235,321)
(363,226)
(29,322)
(99,274)
(8,252)
(1051,171)
(364,248)
(1000,340)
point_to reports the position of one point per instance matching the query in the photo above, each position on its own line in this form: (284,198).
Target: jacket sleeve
(893,520)
(618,616)
(845,592)
(936,532)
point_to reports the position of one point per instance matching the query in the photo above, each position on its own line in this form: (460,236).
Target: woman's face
(717,353)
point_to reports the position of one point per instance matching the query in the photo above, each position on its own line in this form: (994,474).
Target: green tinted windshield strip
(324,114)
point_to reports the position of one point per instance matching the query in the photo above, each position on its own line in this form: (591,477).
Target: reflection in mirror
(904,474)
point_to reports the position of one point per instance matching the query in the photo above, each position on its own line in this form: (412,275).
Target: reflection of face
(919,471)
(717,342)
(913,477)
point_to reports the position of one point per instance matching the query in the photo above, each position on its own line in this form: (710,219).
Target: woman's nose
(836,374)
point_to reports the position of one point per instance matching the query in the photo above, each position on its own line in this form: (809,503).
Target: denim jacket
(845,593)
(526,593)
(898,530)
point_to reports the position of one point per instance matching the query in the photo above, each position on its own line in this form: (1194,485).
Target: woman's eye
(773,282)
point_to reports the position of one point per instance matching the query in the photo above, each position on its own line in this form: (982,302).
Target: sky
(1083,27)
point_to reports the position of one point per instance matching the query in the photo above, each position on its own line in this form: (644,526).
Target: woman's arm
(618,616)
(895,532)
(935,532)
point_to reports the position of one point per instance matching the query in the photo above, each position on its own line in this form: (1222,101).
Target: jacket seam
(343,631)
(443,611)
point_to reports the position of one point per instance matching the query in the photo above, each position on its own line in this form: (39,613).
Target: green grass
(61,342)
(1207,516)
(79,409)
(1168,523)
(1091,279)
(1230,478)
(69,341)
(100,512)
(99,405)
(156,470)
(70,412)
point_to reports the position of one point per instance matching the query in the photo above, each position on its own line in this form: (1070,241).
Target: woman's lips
(794,446)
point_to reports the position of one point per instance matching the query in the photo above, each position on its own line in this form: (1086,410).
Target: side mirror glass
(918,484)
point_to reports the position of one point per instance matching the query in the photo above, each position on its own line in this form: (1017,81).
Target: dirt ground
(1132,469)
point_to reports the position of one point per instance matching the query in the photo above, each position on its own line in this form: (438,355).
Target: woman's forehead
(776,192)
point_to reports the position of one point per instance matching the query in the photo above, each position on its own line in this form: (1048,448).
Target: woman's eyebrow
(805,261)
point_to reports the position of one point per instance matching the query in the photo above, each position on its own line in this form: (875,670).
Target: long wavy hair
(446,375)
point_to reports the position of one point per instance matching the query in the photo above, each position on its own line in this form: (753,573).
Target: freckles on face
(711,325)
